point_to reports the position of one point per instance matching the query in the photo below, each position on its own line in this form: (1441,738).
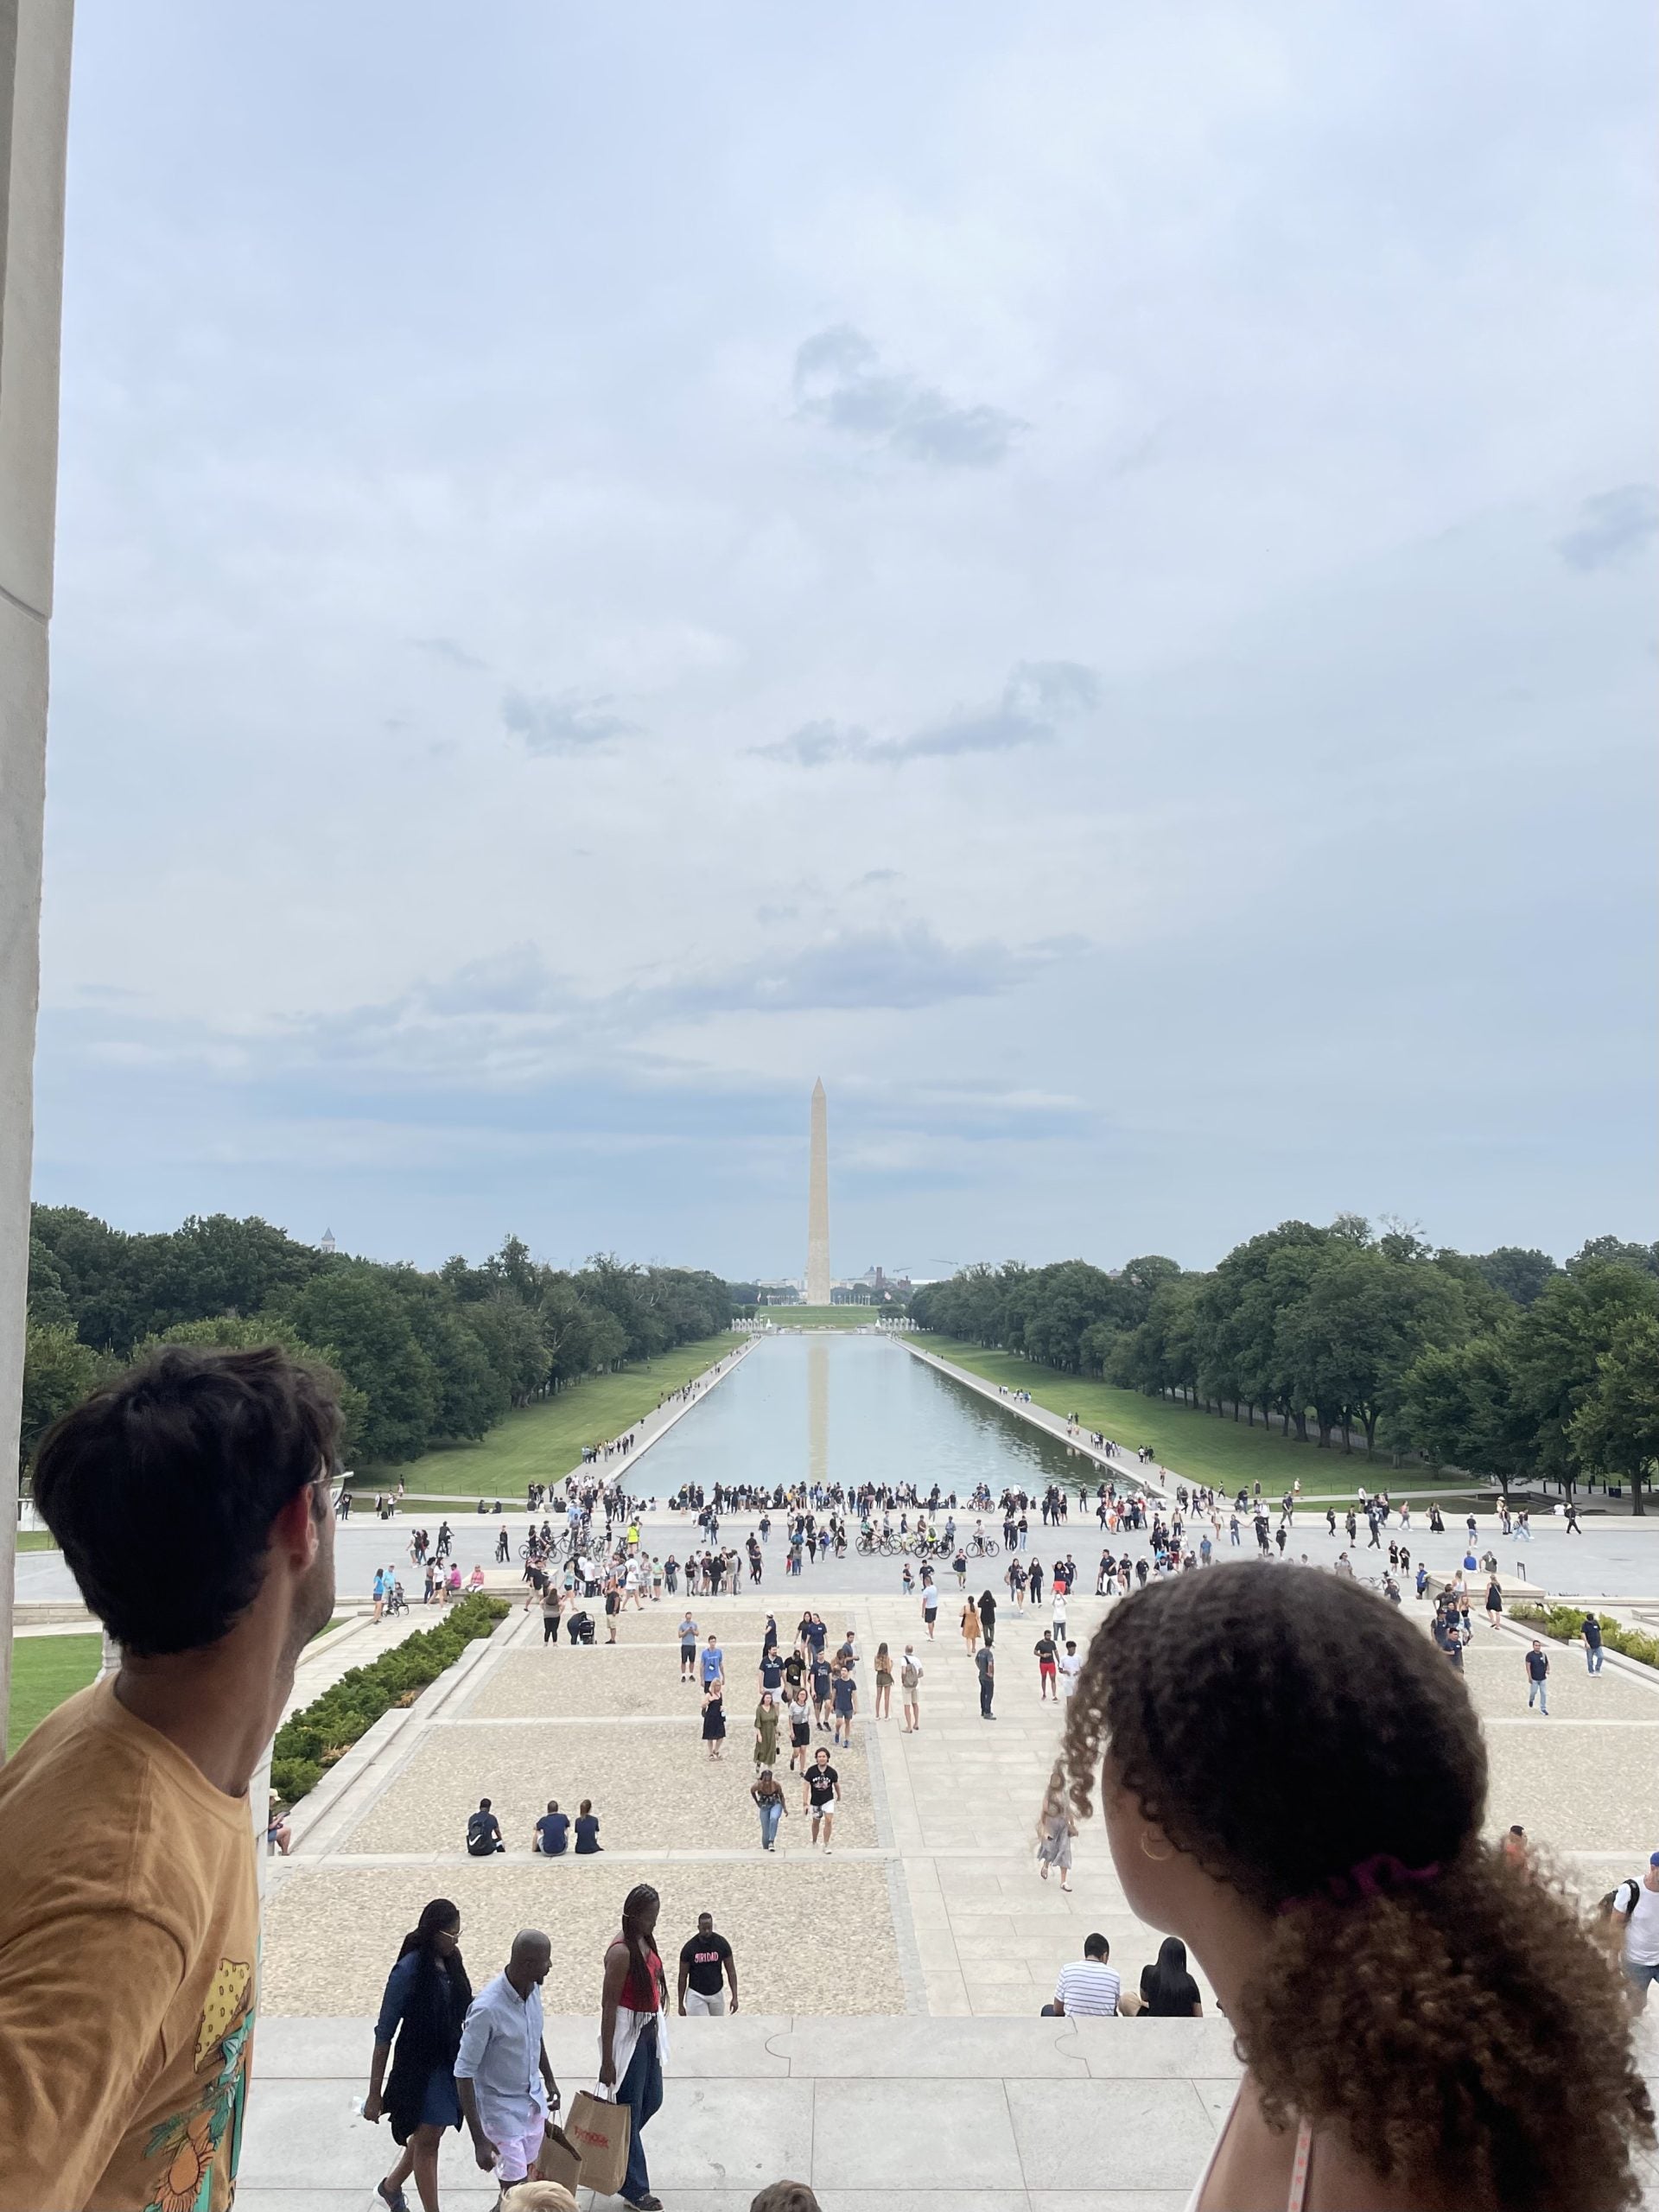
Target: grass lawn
(542,1443)
(45,1670)
(1196,1444)
(820,1317)
(36,1539)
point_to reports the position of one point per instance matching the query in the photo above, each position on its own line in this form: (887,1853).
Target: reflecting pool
(831,1407)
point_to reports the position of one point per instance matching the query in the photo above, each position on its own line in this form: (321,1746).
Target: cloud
(447,648)
(889,968)
(499,1023)
(573,721)
(1612,529)
(815,744)
(1039,698)
(839,381)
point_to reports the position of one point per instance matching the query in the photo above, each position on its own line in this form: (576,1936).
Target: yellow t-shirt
(129,1934)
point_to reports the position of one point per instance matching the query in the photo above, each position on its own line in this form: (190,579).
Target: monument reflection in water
(831,1407)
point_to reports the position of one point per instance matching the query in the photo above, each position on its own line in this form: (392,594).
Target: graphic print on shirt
(191,2140)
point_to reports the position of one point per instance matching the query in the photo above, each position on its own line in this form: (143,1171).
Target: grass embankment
(821,1317)
(1566,1625)
(45,1670)
(542,1443)
(36,1539)
(1193,1443)
(325,1730)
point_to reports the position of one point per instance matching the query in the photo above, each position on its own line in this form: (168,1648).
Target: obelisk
(817,1204)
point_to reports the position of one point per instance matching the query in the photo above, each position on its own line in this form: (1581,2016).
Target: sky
(1086,574)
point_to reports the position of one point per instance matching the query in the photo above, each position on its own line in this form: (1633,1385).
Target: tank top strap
(1299,2169)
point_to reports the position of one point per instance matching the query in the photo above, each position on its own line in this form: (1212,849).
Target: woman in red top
(633,2031)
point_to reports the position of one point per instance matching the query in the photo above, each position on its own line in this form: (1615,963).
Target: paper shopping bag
(599,2130)
(560,2160)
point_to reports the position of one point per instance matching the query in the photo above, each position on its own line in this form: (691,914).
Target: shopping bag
(560,2160)
(598,2129)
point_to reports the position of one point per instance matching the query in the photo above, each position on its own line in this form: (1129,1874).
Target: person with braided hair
(1293,1781)
(633,2031)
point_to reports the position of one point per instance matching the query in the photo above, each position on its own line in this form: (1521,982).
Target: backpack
(910,1674)
(1609,1908)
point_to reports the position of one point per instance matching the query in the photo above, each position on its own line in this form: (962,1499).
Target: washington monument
(817,1204)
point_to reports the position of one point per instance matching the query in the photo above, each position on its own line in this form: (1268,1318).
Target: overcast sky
(1085,574)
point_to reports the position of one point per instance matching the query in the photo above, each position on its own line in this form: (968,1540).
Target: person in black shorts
(823,1795)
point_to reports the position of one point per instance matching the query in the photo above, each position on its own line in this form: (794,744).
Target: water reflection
(817,1409)
(852,1409)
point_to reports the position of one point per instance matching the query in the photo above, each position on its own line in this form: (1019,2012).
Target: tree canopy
(422,1358)
(1502,1364)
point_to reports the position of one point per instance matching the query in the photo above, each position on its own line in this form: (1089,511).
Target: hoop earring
(1158,1858)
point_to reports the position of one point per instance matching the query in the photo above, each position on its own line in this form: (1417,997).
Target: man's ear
(297,1529)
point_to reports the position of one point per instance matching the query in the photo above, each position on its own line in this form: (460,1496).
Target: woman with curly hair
(1293,1781)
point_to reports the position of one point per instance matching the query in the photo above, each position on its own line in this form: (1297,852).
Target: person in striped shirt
(1086,1986)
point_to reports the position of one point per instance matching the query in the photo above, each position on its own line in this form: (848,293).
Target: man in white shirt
(1068,1667)
(1636,1904)
(505,2084)
(1087,1987)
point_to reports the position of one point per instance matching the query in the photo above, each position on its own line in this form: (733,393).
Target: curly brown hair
(1285,1726)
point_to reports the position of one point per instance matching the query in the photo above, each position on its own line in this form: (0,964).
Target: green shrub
(314,1738)
(1565,1622)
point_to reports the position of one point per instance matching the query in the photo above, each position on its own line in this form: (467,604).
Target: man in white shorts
(505,2084)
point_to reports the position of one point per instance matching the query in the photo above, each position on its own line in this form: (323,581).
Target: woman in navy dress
(426,2001)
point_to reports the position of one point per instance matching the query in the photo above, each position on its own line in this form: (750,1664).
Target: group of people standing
(480,2059)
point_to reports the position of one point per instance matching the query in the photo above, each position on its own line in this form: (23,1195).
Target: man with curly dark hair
(1294,1783)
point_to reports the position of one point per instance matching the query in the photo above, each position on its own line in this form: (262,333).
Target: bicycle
(983,1547)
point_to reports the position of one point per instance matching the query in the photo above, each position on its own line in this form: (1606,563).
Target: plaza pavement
(889,2035)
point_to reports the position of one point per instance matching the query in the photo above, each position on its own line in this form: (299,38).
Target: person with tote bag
(633,2046)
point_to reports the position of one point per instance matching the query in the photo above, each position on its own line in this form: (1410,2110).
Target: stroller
(580,1628)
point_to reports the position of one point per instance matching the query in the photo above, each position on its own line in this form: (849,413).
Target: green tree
(366,1325)
(1644,1258)
(1520,1274)
(58,1372)
(1615,1427)
(511,1335)
(1364,1319)
(1558,1345)
(1459,1407)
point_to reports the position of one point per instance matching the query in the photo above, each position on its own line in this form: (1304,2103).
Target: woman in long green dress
(765,1729)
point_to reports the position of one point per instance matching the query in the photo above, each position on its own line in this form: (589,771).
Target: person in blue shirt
(378,1592)
(714,1661)
(552,1831)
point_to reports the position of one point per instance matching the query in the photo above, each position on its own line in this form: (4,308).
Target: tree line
(1501,1363)
(422,1358)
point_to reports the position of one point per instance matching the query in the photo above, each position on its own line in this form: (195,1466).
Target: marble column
(33,119)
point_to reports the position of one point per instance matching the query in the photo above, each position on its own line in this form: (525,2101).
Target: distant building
(328,1242)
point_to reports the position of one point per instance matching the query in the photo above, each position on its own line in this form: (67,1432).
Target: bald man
(505,2083)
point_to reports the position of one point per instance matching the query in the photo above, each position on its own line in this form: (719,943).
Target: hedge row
(327,1729)
(1566,1624)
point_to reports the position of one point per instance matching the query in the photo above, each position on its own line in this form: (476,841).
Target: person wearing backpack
(1637,1903)
(910,1683)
